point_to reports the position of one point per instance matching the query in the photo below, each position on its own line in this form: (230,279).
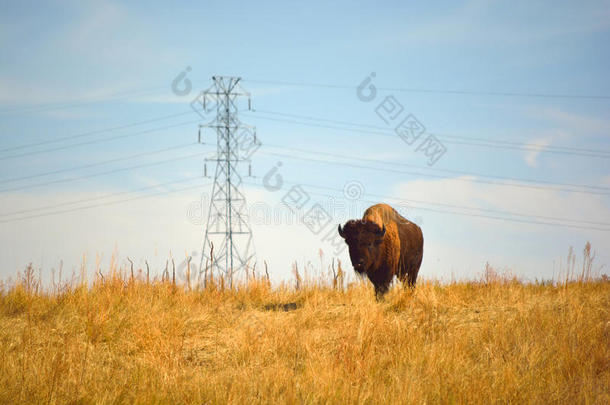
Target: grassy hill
(126,340)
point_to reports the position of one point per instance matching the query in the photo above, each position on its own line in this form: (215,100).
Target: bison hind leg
(408,278)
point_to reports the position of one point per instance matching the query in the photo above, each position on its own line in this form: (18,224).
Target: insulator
(199,135)
(249,104)
(205,170)
(249,170)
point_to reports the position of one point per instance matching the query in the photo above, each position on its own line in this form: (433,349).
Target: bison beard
(383,244)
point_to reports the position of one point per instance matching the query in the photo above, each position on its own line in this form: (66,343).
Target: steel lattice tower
(227,223)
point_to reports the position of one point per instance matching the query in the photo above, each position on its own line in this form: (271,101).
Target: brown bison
(384,244)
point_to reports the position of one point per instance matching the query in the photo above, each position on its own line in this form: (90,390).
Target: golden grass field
(123,340)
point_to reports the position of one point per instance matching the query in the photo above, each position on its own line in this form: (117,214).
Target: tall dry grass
(119,339)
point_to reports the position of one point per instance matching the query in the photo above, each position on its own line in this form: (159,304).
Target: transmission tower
(227,226)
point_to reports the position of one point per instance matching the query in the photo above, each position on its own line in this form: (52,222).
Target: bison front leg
(382,286)
(381,280)
(380,291)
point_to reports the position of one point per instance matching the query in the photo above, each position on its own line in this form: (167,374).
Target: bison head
(363,239)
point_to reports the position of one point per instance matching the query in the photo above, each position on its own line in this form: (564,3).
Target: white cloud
(564,126)
(110,34)
(470,22)
(150,228)
(605,181)
(29,96)
(463,243)
(536,202)
(536,146)
(570,123)
(145,229)
(103,52)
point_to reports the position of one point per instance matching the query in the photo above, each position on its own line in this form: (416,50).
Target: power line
(512,213)
(99,205)
(440,91)
(523,221)
(532,146)
(360,166)
(487,143)
(155,163)
(445,211)
(410,201)
(338,163)
(503,178)
(459,172)
(101,163)
(94,132)
(97,141)
(328,154)
(103,197)
(78,102)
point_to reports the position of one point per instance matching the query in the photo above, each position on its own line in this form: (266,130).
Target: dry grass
(496,340)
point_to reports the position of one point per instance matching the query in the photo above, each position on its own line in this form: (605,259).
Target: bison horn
(341,232)
(381,232)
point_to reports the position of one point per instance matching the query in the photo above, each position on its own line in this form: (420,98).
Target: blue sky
(68,68)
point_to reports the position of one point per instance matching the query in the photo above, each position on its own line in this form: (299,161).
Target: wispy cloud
(476,21)
(111,34)
(569,121)
(537,146)
(547,202)
(466,242)
(17,95)
(102,50)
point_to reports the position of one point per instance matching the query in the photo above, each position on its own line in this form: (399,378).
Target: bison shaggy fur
(384,244)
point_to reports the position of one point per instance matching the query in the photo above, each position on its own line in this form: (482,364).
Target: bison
(384,244)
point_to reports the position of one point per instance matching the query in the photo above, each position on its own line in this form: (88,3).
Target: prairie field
(121,339)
